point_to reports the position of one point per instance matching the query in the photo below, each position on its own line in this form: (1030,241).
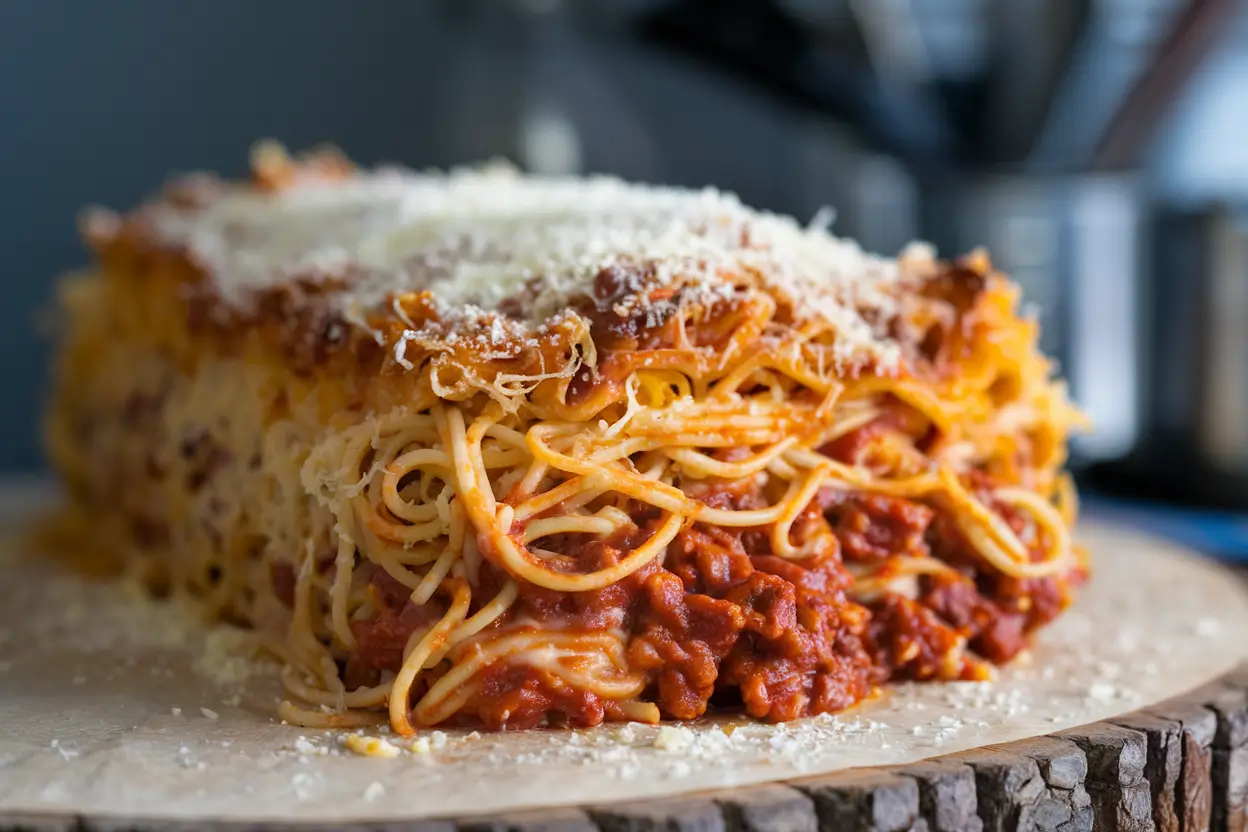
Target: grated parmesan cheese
(477,238)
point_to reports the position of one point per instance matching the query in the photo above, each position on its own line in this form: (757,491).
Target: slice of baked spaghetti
(482,449)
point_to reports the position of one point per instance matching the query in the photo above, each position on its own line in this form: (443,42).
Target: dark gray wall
(99,99)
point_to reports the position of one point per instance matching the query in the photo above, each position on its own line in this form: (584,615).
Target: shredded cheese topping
(476,238)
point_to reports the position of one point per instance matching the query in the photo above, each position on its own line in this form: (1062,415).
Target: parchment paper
(114,705)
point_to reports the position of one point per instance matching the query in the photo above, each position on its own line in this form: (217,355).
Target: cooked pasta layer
(477,449)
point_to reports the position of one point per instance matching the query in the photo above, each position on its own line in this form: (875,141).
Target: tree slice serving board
(119,712)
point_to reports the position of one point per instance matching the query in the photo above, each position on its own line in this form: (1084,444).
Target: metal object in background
(1222,408)
(1195,403)
(1073,242)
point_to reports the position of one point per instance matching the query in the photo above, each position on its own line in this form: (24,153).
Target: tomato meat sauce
(722,624)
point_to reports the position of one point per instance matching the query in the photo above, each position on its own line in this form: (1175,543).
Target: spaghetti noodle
(480,449)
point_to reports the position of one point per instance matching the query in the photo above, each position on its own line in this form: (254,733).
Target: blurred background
(1099,148)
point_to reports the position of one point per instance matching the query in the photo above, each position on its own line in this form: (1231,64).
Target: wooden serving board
(1130,713)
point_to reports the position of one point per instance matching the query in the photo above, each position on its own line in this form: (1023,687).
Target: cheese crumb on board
(428,743)
(371,746)
(65,752)
(303,783)
(673,738)
(1102,692)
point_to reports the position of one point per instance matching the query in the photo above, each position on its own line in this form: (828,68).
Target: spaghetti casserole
(482,449)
